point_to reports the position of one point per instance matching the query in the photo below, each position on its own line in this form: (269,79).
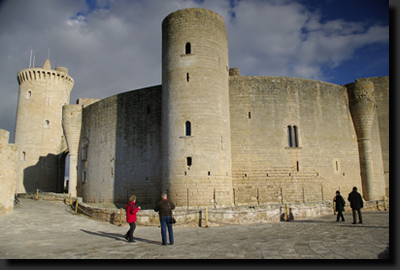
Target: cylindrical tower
(72,124)
(363,111)
(38,129)
(196,158)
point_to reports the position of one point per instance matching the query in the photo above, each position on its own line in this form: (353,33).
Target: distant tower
(38,130)
(196,157)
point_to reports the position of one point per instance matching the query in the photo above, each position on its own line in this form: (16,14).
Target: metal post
(37,194)
(120,218)
(334,207)
(287,212)
(76,206)
(234,197)
(384,203)
(206,217)
(258,197)
(70,199)
(322,193)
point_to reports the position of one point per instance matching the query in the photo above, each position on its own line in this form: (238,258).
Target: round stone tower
(363,111)
(38,129)
(196,158)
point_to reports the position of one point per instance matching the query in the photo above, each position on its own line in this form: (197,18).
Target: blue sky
(112,46)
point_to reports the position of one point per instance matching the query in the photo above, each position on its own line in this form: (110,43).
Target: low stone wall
(211,217)
(46,196)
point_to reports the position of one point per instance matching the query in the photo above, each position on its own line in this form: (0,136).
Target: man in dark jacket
(164,209)
(340,203)
(356,203)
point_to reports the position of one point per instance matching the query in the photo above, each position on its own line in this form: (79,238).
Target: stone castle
(207,136)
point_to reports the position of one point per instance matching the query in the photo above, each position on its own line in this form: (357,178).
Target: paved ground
(47,230)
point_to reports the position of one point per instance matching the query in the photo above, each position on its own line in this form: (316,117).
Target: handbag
(173,220)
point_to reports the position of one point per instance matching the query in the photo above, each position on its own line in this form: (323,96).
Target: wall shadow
(137,163)
(46,175)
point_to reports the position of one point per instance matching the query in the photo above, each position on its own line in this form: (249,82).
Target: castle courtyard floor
(50,230)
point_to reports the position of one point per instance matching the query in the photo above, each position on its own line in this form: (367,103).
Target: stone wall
(120,141)
(8,172)
(206,217)
(123,144)
(265,168)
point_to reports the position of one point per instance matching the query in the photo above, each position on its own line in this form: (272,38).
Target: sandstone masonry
(211,138)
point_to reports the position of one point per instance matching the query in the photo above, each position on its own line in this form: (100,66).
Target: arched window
(188,127)
(188,48)
(23,157)
(47,124)
(29,95)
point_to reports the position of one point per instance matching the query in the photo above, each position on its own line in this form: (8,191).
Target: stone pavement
(50,230)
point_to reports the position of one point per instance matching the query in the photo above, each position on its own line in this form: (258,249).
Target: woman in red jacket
(131,211)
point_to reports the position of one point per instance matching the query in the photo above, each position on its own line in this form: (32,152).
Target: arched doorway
(63,171)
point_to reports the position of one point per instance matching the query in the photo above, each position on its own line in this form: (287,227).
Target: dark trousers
(340,215)
(166,222)
(131,230)
(355,211)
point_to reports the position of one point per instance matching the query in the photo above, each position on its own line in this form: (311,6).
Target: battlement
(41,74)
(190,13)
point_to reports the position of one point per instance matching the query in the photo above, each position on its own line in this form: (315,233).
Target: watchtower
(196,148)
(38,132)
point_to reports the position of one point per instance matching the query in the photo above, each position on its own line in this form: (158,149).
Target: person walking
(340,203)
(131,211)
(164,209)
(356,203)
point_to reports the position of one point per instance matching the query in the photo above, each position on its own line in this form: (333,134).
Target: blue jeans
(166,222)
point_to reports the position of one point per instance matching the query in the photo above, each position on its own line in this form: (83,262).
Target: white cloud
(116,46)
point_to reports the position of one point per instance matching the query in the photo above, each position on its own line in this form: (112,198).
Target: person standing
(356,203)
(340,203)
(164,209)
(131,211)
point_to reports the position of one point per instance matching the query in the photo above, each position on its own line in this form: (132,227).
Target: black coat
(340,203)
(164,208)
(356,202)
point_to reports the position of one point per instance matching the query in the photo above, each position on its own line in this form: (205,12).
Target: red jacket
(131,211)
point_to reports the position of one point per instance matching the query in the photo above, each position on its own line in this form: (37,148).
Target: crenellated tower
(38,130)
(196,150)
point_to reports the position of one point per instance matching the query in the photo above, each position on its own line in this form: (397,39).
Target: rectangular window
(293,136)
(289,135)
(84,152)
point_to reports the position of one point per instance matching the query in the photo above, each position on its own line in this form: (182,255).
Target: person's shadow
(119,237)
